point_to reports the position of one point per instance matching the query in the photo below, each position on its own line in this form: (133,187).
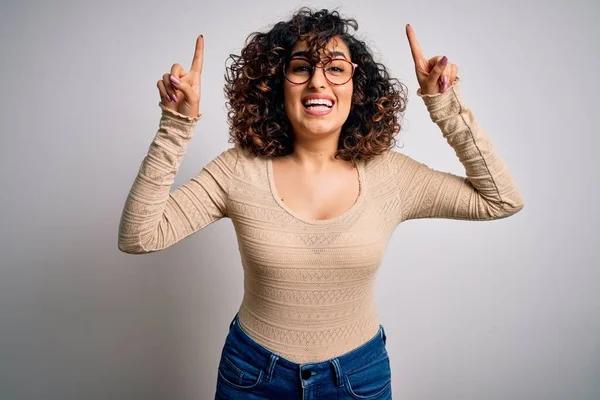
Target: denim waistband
(272,363)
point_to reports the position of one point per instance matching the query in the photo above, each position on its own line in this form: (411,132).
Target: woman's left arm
(487,192)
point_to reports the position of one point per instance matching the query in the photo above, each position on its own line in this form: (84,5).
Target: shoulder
(237,155)
(246,158)
(389,159)
(244,165)
(391,164)
(400,160)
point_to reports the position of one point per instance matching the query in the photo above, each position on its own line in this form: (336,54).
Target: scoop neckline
(284,207)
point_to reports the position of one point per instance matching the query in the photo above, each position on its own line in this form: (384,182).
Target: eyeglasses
(336,71)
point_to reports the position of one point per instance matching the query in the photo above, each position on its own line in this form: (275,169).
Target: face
(318,120)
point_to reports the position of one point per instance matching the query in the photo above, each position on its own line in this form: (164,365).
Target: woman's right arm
(154,217)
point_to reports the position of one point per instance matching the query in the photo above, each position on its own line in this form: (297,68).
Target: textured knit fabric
(309,284)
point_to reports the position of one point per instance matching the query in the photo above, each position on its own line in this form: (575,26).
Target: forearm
(143,226)
(487,192)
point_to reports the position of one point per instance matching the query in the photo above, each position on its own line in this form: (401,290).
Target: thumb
(187,90)
(190,103)
(439,68)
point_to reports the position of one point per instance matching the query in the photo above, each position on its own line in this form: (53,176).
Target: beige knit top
(309,284)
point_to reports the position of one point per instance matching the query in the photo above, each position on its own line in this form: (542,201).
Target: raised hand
(180,90)
(434,75)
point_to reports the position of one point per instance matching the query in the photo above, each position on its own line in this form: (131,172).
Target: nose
(318,78)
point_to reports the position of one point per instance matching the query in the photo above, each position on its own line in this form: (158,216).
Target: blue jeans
(249,371)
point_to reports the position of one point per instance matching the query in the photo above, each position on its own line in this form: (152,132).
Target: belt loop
(233,321)
(383,334)
(271,367)
(338,372)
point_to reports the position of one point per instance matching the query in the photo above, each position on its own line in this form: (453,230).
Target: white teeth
(325,102)
(319,108)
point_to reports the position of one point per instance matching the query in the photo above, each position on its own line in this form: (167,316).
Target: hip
(247,370)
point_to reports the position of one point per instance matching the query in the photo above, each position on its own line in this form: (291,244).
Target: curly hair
(254,89)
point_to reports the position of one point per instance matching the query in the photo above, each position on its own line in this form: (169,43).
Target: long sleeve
(154,217)
(487,192)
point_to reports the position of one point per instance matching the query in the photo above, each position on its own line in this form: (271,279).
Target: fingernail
(174,98)
(174,80)
(443,61)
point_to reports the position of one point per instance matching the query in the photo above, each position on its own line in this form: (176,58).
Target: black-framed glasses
(337,71)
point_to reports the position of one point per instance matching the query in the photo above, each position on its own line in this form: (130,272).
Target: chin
(320,130)
(319,126)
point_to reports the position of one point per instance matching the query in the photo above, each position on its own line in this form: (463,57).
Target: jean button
(307,373)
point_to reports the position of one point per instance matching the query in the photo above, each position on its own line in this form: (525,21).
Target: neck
(315,156)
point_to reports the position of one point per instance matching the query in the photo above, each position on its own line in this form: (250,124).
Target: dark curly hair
(254,89)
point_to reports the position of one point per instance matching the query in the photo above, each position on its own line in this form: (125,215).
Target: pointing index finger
(198,55)
(415,49)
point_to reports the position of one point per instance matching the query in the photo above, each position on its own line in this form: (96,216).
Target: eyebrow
(305,54)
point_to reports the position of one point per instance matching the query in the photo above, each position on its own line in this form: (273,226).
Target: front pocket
(373,381)
(237,372)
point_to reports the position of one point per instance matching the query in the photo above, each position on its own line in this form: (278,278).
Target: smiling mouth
(318,104)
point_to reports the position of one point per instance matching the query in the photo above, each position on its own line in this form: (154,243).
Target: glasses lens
(298,70)
(337,71)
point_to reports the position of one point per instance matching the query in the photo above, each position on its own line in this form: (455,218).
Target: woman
(314,191)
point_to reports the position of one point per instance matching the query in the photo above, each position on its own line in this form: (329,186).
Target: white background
(500,310)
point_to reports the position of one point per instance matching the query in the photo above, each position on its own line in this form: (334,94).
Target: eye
(337,66)
(301,68)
